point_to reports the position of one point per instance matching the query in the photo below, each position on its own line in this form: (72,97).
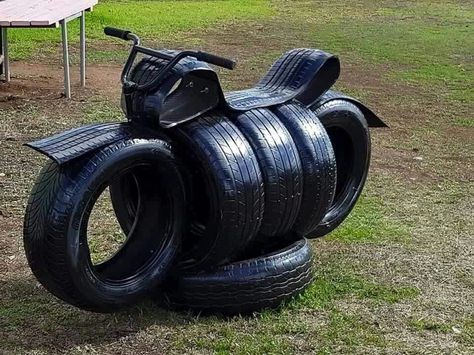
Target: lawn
(396,277)
(159,20)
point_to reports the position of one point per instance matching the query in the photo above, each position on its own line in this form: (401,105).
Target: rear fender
(372,119)
(71,144)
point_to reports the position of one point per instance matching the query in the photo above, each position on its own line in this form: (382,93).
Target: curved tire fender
(76,142)
(373,120)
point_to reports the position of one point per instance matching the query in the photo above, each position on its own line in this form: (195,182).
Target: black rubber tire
(349,133)
(245,286)
(318,163)
(227,185)
(228,194)
(281,169)
(56,220)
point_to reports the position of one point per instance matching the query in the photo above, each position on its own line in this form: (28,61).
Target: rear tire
(350,137)
(57,216)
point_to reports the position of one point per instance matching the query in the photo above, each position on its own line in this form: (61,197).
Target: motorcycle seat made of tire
(301,74)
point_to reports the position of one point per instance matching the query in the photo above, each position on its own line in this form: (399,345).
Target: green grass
(431,325)
(367,223)
(349,308)
(333,283)
(226,340)
(268,332)
(463,329)
(158,21)
(425,43)
(315,314)
(464,122)
(98,110)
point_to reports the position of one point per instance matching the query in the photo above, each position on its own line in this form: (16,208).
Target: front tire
(57,216)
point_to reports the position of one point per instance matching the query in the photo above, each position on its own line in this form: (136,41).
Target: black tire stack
(217,212)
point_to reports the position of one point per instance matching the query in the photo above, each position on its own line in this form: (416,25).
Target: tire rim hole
(343,150)
(104,235)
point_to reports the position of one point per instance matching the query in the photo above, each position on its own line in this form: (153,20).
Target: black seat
(302,74)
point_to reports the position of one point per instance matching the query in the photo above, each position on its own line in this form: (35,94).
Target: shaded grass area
(315,313)
(464,122)
(335,283)
(153,20)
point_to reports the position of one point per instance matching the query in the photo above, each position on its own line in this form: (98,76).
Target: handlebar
(172,59)
(115,32)
(216,60)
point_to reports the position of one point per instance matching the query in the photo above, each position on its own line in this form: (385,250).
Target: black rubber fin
(68,145)
(372,118)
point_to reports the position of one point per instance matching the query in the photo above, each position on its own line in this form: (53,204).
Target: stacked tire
(217,212)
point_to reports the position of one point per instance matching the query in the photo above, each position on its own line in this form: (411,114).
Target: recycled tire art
(218,193)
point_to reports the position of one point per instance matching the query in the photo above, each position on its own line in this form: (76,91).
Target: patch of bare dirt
(36,82)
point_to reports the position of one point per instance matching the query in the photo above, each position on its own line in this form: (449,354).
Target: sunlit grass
(153,20)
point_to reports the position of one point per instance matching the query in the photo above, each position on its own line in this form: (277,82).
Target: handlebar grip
(216,60)
(115,32)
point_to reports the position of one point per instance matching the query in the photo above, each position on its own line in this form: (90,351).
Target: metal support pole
(83,49)
(67,77)
(1,52)
(6,62)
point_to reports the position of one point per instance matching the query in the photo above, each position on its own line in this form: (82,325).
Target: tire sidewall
(346,116)
(89,184)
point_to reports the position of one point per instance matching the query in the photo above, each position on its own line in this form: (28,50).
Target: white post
(83,49)
(67,77)
(6,62)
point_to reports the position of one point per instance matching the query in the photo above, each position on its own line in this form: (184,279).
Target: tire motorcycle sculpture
(216,192)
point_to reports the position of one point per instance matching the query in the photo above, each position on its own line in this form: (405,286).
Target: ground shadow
(32,319)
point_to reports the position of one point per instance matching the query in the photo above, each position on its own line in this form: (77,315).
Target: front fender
(71,144)
(372,119)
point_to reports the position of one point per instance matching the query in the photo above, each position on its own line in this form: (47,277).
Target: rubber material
(372,119)
(189,90)
(301,74)
(350,137)
(56,222)
(318,162)
(73,143)
(228,201)
(217,60)
(281,168)
(115,32)
(246,286)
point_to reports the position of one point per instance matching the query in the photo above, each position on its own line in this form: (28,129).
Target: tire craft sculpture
(216,192)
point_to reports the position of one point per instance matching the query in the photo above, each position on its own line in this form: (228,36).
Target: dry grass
(405,285)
